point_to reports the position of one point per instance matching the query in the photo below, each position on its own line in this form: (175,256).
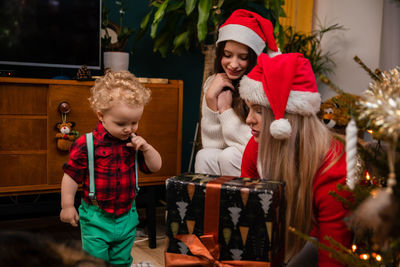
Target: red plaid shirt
(114,170)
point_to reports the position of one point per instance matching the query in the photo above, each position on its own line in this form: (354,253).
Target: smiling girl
(224,132)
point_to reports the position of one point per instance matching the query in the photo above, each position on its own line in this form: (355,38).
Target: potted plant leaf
(309,44)
(175,25)
(114,38)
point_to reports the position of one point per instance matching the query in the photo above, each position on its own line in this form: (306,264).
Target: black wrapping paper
(251,221)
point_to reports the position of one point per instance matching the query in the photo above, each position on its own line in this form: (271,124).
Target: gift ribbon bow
(206,254)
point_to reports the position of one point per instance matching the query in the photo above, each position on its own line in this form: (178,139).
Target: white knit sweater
(222,130)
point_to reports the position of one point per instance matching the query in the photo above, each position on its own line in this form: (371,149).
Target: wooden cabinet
(29,159)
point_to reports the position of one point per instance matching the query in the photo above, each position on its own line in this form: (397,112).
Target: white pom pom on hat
(285,83)
(280,129)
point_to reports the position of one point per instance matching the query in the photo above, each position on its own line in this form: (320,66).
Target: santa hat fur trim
(246,36)
(251,29)
(299,102)
(285,83)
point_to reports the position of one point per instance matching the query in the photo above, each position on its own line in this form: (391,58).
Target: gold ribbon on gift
(206,254)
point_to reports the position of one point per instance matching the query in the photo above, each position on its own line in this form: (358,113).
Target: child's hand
(138,143)
(151,156)
(69,215)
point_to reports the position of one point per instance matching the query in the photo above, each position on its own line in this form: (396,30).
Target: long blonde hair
(296,161)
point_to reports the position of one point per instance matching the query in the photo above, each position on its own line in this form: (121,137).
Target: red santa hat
(285,83)
(250,29)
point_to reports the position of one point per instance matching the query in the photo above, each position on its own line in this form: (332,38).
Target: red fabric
(249,160)
(304,77)
(115,180)
(255,22)
(282,74)
(328,211)
(278,79)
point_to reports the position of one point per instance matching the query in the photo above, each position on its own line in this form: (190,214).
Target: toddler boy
(108,220)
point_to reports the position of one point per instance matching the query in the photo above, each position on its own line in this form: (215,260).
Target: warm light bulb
(367,176)
(370,132)
(353,248)
(378,257)
(364,256)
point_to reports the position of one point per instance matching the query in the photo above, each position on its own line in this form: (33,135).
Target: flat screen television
(50,33)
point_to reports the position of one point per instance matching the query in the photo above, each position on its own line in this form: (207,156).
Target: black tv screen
(50,33)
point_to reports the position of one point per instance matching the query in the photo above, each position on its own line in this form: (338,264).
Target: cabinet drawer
(22,133)
(20,169)
(18,99)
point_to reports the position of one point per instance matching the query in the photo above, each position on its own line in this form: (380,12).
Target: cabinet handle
(64,108)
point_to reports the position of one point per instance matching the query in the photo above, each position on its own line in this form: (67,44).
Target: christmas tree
(372,168)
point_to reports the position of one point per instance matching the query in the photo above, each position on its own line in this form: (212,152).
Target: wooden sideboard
(30,162)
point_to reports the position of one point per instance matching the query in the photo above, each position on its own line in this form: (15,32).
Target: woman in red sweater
(290,143)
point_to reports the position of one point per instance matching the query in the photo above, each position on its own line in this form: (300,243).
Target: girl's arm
(330,212)
(211,134)
(235,132)
(216,86)
(68,212)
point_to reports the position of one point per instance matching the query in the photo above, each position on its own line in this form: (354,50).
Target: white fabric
(299,102)
(243,35)
(222,130)
(246,36)
(273,53)
(280,129)
(223,134)
(218,161)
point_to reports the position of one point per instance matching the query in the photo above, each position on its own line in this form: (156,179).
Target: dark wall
(187,67)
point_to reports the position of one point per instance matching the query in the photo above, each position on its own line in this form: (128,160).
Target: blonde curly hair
(117,87)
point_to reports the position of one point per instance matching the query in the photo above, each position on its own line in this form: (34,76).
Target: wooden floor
(141,251)
(53,227)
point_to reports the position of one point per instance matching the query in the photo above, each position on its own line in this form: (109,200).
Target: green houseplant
(115,37)
(309,44)
(176,25)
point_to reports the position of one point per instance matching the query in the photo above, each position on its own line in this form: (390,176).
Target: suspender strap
(136,173)
(90,150)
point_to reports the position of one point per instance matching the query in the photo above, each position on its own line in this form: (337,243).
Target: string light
(353,248)
(364,256)
(378,257)
(367,176)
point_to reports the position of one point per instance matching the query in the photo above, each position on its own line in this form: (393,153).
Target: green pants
(107,236)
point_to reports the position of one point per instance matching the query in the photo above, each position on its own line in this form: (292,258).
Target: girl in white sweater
(224,132)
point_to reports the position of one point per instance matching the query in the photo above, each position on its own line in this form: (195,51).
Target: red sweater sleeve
(329,211)
(249,160)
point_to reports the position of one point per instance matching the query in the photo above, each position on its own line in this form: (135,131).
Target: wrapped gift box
(246,216)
